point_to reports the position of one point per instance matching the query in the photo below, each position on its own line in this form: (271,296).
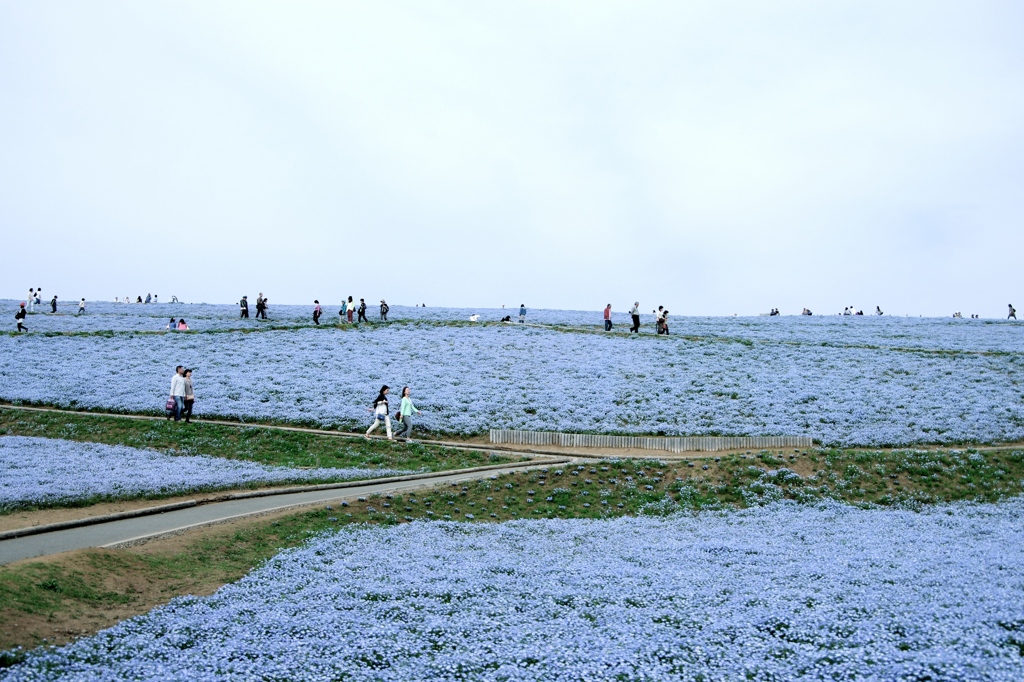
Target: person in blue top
(522,313)
(405,415)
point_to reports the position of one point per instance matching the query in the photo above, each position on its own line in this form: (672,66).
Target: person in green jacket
(405,413)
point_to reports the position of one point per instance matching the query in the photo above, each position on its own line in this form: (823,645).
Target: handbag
(170,404)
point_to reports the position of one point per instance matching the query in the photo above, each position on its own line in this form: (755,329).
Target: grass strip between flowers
(55,600)
(272,447)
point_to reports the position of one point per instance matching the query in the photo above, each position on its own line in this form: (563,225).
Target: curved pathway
(141,528)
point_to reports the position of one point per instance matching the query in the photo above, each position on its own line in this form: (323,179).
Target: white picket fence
(671,444)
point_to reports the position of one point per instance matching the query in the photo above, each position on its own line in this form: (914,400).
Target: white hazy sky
(714,157)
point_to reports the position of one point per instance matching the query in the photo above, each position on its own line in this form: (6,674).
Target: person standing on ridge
(261,306)
(522,313)
(1013,311)
(608,317)
(343,311)
(384,310)
(350,309)
(20,317)
(659,319)
(53,304)
(317,312)
(634,313)
(149,298)
(81,307)
(362,311)
(243,307)
(31,298)
(405,415)
(39,296)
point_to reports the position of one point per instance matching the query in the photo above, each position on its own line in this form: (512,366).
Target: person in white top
(31,299)
(634,312)
(178,391)
(380,413)
(81,306)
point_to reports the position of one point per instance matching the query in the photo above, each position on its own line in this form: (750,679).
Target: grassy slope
(272,447)
(41,598)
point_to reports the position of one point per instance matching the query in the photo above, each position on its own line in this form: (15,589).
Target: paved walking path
(140,529)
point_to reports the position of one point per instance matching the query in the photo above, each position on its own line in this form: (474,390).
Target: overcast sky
(714,157)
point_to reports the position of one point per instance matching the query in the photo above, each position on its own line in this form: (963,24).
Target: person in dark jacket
(362,311)
(20,317)
(317,312)
(243,307)
(53,304)
(384,310)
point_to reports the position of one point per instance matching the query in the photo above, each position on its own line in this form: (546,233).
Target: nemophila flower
(825,592)
(48,470)
(877,381)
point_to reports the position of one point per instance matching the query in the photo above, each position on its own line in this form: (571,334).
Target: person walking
(1013,312)
(20,317)
(81,307)
(317,312)
(659,319)
(664,322)
(350,309)
(634,313)
(261,306)
(362,311)
(342,312)
(522,313)
(39,296)
(53,304)
(178,391)
(190,397)
(31,298)
(405,411)
(384,310)
(380,413)
(243,307)
(608,317)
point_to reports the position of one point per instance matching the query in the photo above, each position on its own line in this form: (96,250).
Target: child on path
(20,317)
(317,312)
(342,312)
(380,413)
(405,415)
(53,304)
(634,313)
(522,313)
(608,318)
